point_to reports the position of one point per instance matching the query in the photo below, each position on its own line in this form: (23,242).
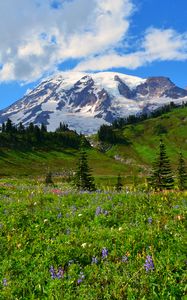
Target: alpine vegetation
(161,177)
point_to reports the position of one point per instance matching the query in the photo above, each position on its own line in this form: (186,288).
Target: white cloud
(165,44)
(157,45)
(36,35)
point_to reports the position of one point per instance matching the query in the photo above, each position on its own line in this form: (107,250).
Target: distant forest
(33,136)
(111,133)
(37,137)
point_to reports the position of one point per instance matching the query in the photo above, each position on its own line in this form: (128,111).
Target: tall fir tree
(182,173)
(48,178)
(83,179)
(161,177)
(119,184)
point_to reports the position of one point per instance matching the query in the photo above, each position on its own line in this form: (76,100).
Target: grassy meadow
(56,243)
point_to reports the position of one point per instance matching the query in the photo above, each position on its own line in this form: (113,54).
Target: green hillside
(132,158)
(141,140)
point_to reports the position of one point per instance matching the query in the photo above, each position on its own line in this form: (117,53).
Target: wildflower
(124,258)
(104,253)
(176,206)
(59,215)
(68,231)
(94,260)
(98,211)
(120,228)
(60,273)
(56,191)
(150,220)
(179,217)
(81,278)
(5,283)
(74,208)
(70,262)
(53,273)
(84,245)
(149,265)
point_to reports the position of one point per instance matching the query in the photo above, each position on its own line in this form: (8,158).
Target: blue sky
(137,37)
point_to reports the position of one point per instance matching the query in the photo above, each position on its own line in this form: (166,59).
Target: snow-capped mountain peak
(86,101)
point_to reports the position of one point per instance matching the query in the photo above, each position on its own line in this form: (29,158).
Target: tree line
(110,133)
(20,137)
(161,177)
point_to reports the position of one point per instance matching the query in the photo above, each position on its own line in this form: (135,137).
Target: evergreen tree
(3,128)
(62,127)
(21,128)
(182,173)
(43,128)
(30,128)
(119,184)
(9,126)
(106,134)
(83,179)
(161,177)
(48,179)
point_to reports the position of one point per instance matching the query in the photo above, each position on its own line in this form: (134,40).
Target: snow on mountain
(86,101)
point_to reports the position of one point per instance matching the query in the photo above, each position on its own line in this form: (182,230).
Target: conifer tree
(161,177)
(9,126)
(3,127)
(119,184)
(83,179)
(182,173)
(48,179)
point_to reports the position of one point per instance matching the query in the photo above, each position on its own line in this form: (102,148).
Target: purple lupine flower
(68,231)
(149,265)
(70,262)
(98,211)
(94,260)
(176,206)
(59,215)
(53,273)
(105,212)
(81,278)
(60,273)
(124,258)
(5,283)
(104,253)
(150,220)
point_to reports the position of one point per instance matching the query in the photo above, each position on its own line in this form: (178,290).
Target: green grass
(44,226)
(136,157)
(144,138)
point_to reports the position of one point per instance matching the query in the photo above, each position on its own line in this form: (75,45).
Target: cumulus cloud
(39,35)
(36,36)
(157,45)
(165,44)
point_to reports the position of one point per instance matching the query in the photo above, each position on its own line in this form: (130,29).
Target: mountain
(86,101)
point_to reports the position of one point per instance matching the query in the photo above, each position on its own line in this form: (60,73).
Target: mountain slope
(132,160)
(86,101)
(143,140)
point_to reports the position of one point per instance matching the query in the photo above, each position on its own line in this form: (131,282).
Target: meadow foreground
(59,244)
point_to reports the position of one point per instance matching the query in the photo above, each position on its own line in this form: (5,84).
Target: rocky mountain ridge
(86,101)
